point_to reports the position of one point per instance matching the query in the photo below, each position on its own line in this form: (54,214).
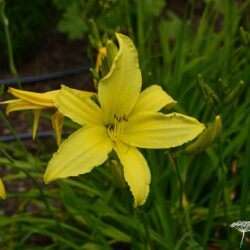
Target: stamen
(116,128)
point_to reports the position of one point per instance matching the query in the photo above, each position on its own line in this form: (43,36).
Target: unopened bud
(208,136)
(234,93)
(209,95)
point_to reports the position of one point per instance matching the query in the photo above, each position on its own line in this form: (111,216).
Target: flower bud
(208,136)
(234,93)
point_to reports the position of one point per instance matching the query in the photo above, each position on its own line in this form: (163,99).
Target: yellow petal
(2,190)
(156,130)
(153,98)
(57,123)
(136,171)
(18,104)
(119,90)
(81,93)
(81,110)
(21,104)
(79,154)
(36,121)
(43,99)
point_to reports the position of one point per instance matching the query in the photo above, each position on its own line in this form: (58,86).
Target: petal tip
(2,190)
(10,89)
(3,197)
(117,34)
(142,201)
(48,178)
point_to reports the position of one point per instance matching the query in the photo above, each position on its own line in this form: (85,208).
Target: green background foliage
(27,26)
(193,199)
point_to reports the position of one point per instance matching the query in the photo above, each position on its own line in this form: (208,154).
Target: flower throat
(115,129)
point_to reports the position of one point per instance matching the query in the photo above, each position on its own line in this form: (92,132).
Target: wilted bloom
(121,118)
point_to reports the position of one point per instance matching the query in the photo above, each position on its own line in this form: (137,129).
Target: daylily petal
(18,104)
(2,190)
(43,99)
(57,123)
(153,98)
(81,110)
(80,153)
(156,130)
(27,102)
(82,93)
(119,90)
(136,171)
(36,121)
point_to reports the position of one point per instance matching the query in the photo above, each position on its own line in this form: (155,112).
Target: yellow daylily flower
(28,100)
(123,119)
(2,190)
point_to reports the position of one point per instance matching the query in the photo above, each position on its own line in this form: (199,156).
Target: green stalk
(245,177)
(148,241)
(184,204)
(128,19)
(210,216)
(222,179)
(140,29)
(5,21)
(88,8)
(178,173)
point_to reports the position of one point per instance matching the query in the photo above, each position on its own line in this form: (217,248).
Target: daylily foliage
(121,119)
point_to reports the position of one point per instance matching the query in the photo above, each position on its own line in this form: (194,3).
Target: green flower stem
(139,212)
(177,171)
(222,177)
(5,21)
(245,179)
(186,209)
(140,28)
(184,204)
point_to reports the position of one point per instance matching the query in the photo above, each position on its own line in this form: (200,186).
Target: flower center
(115,129)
